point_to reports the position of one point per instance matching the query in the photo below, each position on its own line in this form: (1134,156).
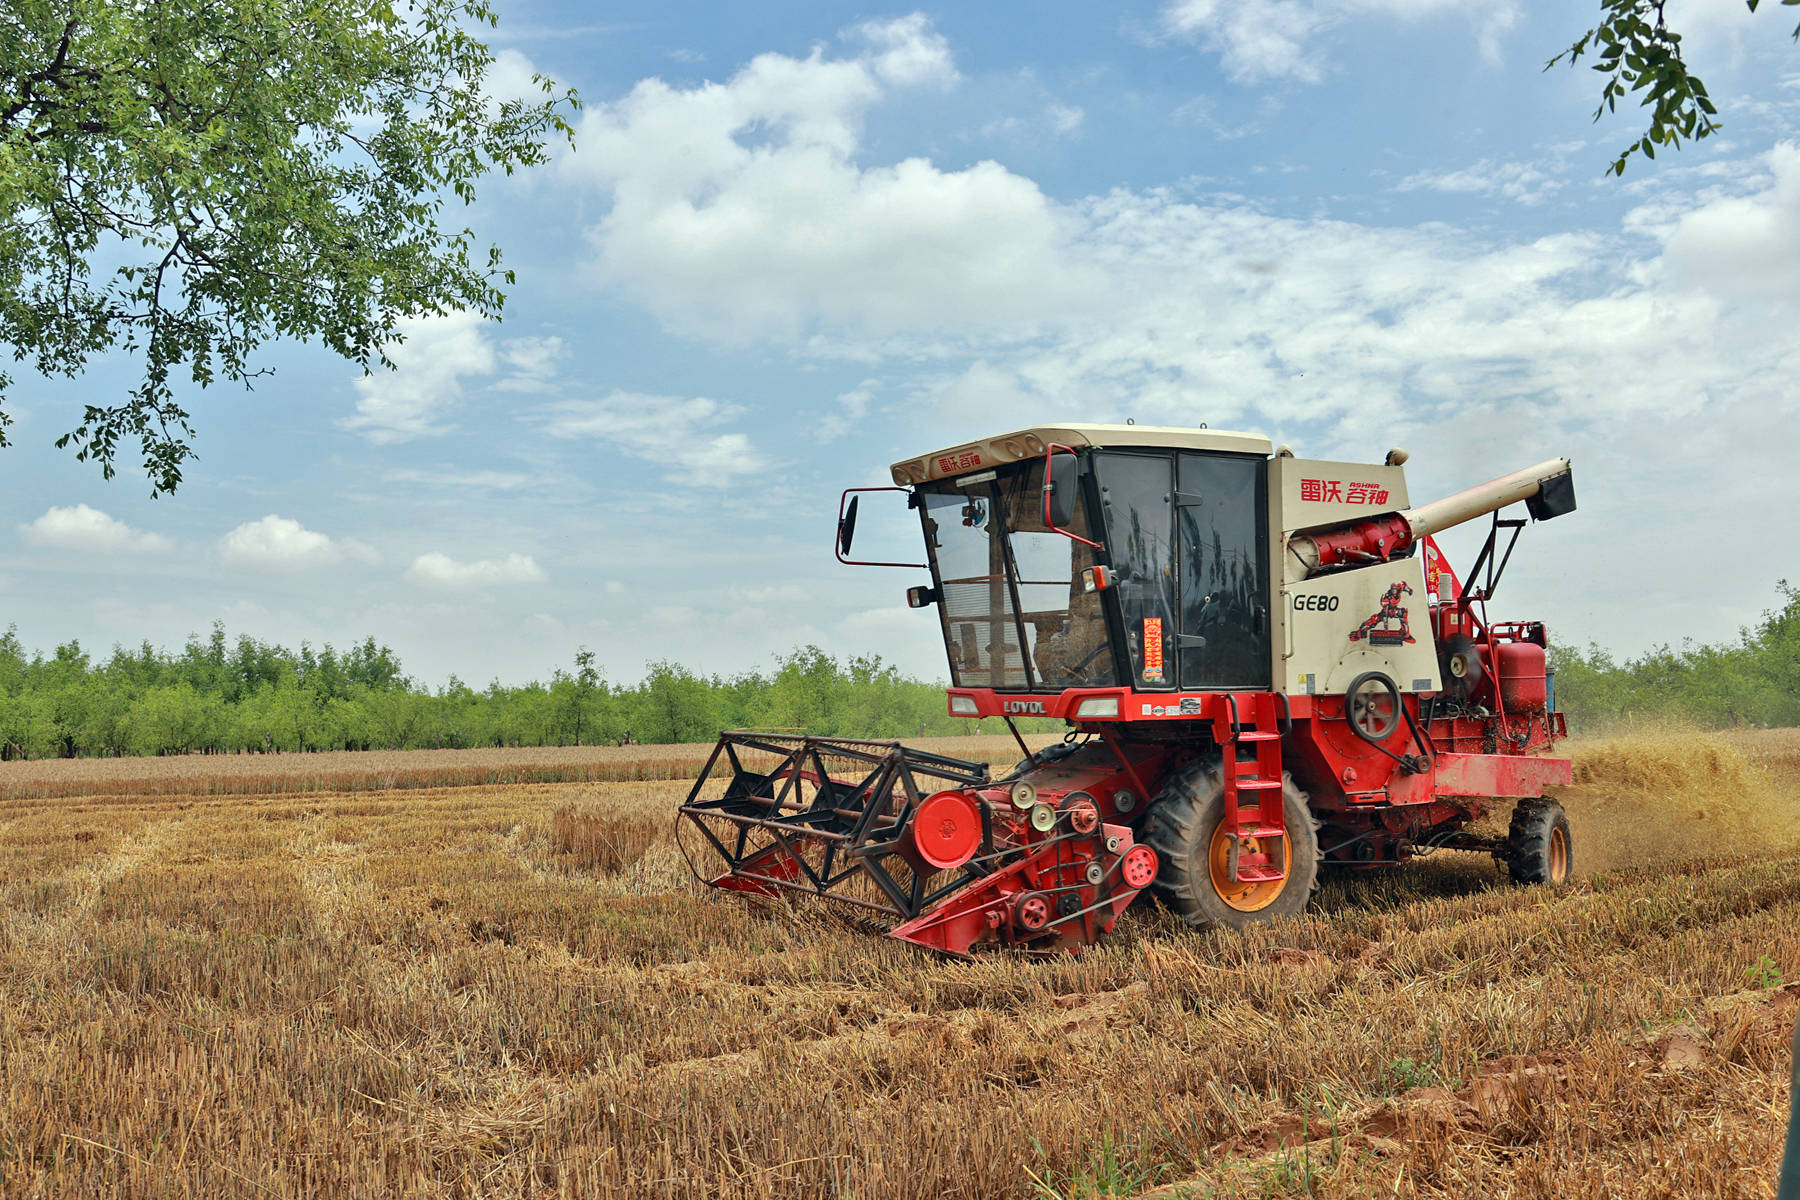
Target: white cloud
(431,369)
(743,209)
(1282,39)
(452,477)
(429,366)
(1524,183)
(440,570)
(512,77)
(738,210)
(533,361)
(89,529)
(1743,247)
(1256,39)
(1065,118)
(852,408)
(282,542)
(678,434)
(907,52)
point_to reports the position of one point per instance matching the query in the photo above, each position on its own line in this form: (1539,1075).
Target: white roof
(1006,448)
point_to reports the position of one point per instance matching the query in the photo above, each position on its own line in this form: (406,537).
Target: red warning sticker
(1153,650)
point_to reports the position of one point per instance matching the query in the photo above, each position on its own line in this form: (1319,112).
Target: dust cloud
(1669,793)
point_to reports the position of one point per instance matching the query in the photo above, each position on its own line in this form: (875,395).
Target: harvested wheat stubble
(417,993)
(381,770)
(602,835)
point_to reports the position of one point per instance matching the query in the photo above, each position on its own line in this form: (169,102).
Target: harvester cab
(1265,662)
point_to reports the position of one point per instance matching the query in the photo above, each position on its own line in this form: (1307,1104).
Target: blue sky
(795,243)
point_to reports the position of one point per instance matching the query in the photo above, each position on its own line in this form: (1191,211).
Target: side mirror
(847,526)
(1060,490)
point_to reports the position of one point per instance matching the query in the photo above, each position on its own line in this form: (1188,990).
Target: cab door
(1222,571)
(1136,490)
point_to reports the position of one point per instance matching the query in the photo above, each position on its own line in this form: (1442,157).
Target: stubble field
(515,989)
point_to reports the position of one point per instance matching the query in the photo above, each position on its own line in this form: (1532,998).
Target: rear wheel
(1187,831)
(1538,848)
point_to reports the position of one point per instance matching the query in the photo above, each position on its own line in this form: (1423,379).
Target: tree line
(219,695)
(1754,680)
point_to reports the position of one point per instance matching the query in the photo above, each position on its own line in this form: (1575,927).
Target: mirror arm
(844,503)
(1050,487)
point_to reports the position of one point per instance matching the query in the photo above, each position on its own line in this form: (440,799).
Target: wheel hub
(1247,895)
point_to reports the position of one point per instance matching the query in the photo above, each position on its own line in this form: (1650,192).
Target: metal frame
(1050,450)
(857,825)
(837,542)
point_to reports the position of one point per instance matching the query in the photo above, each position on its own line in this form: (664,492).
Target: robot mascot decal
(1389,626)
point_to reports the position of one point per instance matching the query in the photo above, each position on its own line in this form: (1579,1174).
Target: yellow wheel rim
(1559,856)
(1245,897)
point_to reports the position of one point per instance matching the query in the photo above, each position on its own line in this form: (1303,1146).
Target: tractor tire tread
(1175,827)
(1527,853)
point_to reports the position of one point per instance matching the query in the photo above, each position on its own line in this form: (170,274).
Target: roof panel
(1006,448)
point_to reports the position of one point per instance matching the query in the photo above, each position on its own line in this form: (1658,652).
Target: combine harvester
(1267,668)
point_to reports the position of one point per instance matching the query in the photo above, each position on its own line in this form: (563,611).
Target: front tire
(1193,879)
(1538,846)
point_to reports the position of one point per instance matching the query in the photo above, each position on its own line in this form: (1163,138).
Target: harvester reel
(952,866)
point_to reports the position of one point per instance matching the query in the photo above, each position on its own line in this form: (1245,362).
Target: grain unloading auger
(1266,666)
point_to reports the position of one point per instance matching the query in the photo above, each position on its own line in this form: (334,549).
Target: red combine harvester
(1234,636)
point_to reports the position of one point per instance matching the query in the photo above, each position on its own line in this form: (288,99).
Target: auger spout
(1548,488)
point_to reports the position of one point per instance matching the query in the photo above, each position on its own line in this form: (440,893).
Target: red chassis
(1408,791)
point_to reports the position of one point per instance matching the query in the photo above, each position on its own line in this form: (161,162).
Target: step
(1259,875)
(1262,831)
(1257,785)
(1256,737)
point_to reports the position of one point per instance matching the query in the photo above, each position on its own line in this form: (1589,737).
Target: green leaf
(274,170)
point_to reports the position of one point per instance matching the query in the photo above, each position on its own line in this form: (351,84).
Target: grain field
(514,988)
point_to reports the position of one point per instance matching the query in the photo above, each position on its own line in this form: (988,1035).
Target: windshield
(1016,613)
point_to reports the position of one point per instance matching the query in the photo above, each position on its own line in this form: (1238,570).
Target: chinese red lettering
(1338,491)
(952,463)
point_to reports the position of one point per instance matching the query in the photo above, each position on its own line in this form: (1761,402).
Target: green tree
(175,720)
(394,717)
(673,705)
(26,730)
(581,699)
(12,660)
(280,717)
(1636,52)
(187,179)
